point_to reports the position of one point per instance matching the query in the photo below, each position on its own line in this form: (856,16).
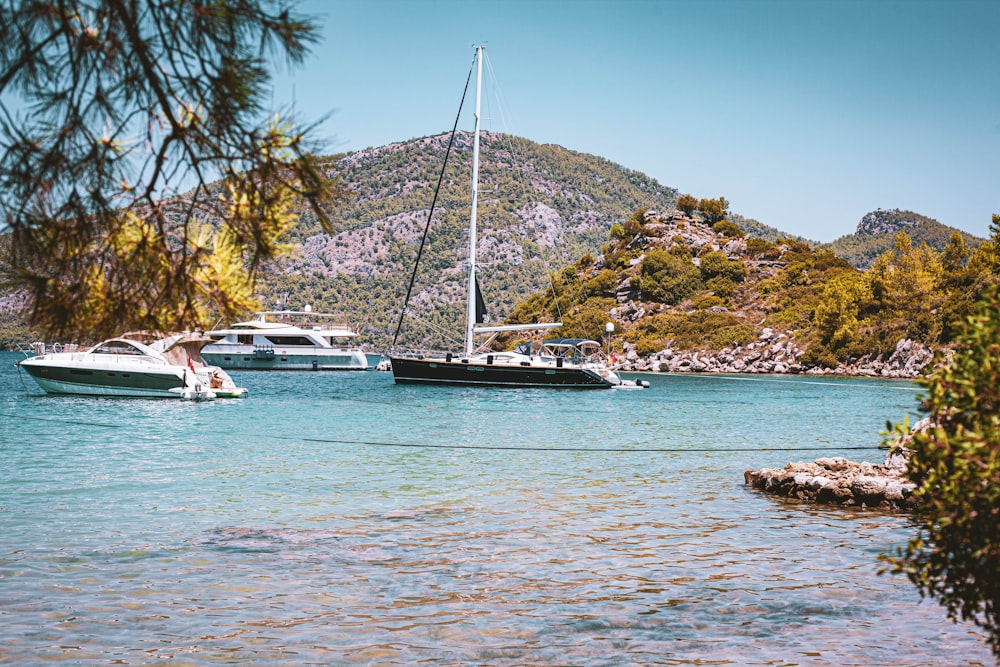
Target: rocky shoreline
(776,352)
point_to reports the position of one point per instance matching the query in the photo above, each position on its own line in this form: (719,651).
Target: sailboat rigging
(564,362)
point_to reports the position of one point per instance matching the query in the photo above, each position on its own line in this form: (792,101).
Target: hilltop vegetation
(676,281)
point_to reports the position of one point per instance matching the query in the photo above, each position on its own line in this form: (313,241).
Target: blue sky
(805,115)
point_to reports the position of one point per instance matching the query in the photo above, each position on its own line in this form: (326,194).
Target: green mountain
(540,206)
(877,230)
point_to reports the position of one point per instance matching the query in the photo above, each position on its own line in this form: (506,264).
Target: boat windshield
(118,347)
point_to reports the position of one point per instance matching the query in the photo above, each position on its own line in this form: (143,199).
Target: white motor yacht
(135,364)
(286,340)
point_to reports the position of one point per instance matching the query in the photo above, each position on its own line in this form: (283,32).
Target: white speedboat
(136,364)
(286,340)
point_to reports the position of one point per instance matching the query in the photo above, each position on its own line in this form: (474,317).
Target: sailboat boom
(518,327)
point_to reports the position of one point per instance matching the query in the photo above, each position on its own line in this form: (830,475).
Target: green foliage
(729,229)
(758,246)
(531,310)
(668,278)
(603,284)
(717,265)
(647,345)
(639,215)
(689,331)
(687,204)
(956,253)
(633,228)
(706,301)
(818,355)
(107,105)
(955,557)
(861,249)
(714,210)
(837,312)
(754,228)
(721,286)
(362,270)
(732,335)
(588,320)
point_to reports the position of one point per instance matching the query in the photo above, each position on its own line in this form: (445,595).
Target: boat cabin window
(290,340)
(118,347)
(245,339)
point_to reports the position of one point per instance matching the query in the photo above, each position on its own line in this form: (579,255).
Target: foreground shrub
(955,557)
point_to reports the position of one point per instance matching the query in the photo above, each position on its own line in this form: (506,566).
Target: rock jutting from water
(837,481)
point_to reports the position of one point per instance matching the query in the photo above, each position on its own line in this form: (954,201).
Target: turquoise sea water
(336,518)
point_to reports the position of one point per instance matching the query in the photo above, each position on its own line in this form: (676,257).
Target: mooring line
(445,405)
(60,421)
(524,448)
(537,448)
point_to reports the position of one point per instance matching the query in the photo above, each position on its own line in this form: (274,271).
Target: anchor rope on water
(522,448)
(539,448)
(59,421)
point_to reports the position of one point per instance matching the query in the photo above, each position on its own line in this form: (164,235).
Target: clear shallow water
(283,529)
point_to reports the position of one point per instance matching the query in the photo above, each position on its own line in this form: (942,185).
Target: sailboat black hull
(407,370)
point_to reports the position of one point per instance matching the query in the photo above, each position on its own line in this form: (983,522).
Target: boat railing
(39,348)
(417,353)
(307,320)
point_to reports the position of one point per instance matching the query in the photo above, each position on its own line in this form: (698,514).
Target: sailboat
(564,362)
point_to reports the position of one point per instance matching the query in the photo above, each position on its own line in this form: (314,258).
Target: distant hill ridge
(877,231)
(890,221)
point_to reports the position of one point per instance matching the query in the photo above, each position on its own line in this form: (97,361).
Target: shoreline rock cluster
(776,352)
(838,481)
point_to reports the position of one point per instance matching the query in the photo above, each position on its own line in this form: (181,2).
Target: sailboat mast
(470,322)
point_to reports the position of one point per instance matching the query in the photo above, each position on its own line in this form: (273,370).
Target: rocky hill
(877,232)
(541,206)
(686,296)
